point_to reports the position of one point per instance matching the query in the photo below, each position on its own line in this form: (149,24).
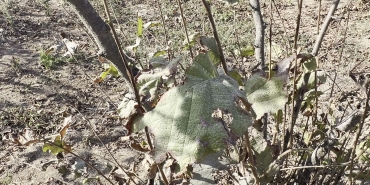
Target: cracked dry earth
(32,96)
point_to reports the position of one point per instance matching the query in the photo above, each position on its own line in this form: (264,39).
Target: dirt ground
(34,99)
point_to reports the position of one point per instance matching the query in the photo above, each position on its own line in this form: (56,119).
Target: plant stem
(294,117)
(324,27)
(364,116)
(250,157)
(215,34)
(127,68)
(164,27)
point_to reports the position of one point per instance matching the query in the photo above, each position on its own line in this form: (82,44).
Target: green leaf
(310,65)
(186,120)
(151,24)
(159,53)
(109,69)
(247,51)
(266,96)
(139,32)
(113,70)
(236,76)
(192,40)
(211,44)
(55,148)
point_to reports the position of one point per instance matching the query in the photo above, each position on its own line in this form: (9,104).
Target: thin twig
(96,133)
(360,126)
(128,71)
(148,139)
(163,175)
(345,35)
(250,157)
(322,166)
(284,27)
(316,96)
(270,41)
(290,145)
(164,26)
(318,17)
(185,28)
(215,34)
(105,146)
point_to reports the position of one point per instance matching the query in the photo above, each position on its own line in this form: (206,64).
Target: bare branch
(324,28)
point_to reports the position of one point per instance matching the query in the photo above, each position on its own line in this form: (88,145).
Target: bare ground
(39,98)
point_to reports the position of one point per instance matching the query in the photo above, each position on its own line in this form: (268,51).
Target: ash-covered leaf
(149,83)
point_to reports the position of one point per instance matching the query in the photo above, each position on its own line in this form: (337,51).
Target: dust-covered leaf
(158,62)
(149,83)
(264,157)
(71,47)
(266,96)
(127,106)
(182,122)
(321,76)
(134,47)
(201,69)
(79,167)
